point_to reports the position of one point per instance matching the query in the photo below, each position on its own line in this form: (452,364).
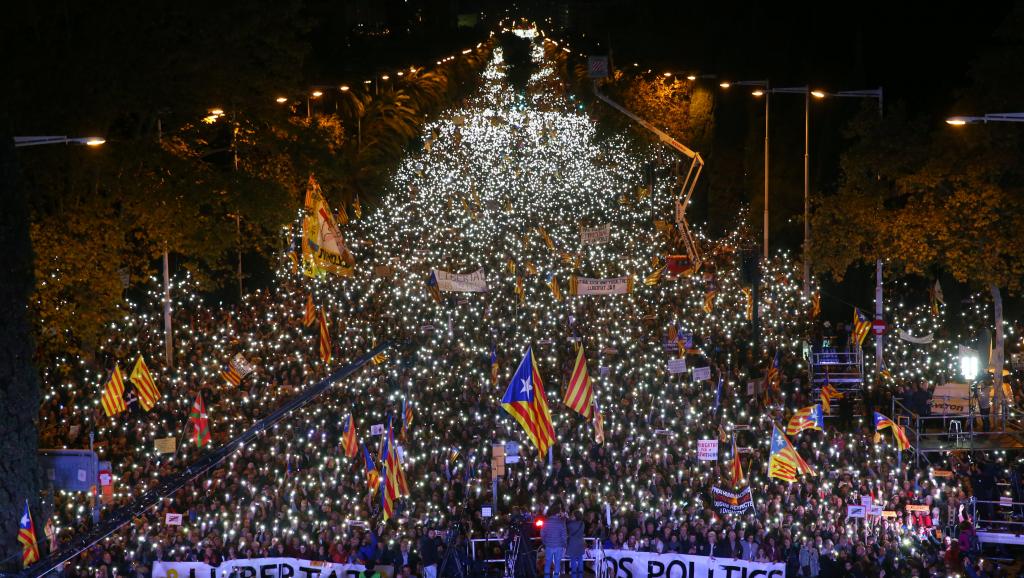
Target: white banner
(595,235)
(629,564)
(707,450)
(475,282)
(588,286)
(257,568)
(906,336)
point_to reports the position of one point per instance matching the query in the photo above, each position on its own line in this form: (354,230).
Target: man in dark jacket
(404,556)
(428,553)
(574,545)
(553,536)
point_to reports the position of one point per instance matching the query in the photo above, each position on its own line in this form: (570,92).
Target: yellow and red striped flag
(784,463)
(737,466)
(309,315)
(348,438)
(579,395)
(144,384)
(27,537)
(861,327)
(598,424)
(113,393)
(525,401)
(325,339)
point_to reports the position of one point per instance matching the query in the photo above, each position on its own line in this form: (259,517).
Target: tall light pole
(766,86)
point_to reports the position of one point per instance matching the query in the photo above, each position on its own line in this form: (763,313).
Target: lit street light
(992,117)
(28,141)
(764,85)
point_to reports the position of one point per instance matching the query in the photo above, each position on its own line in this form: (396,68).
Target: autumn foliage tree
(927,197)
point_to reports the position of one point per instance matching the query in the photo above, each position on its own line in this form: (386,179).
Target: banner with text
(629,564)
(587,286)
(257,568)
(596,235)
(729,503)
(475,282)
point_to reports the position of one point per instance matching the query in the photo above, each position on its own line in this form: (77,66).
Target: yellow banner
(323,246)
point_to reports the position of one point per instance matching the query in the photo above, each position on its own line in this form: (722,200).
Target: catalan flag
(453,454)
(348,437)
(882,422)
(200,422)
(579,395)
(372,475)
(553,284)
(773,379)
(737,466)
(357,208)
(709,301)
(380,357)
(809,417)
(815,304)
(547,239)
(309,315)
(784,463)
(749,296)
(861,327)
(325,340)
(432,288)
(828,394)
(494,364)
(598,424)
(231,374)
(144,384)
(525,401)
(113,393)
(407,417)
(655,276)
(27,537)
(394,483)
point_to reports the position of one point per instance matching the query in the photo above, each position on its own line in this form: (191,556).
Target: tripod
(450,555)
(519,563)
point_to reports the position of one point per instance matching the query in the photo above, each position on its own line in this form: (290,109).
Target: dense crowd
(295,493)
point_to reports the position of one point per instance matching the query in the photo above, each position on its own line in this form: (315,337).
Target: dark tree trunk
(19,381)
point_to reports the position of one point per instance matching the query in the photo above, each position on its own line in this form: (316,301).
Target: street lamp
(29,141)
(765,86)
(992,117)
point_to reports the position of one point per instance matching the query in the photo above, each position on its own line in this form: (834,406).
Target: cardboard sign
(942,473)
(950,399)
(917,508)
(165,445)
(707,450)
(377,429)
(677,365)
(855,511)
(172,519)
(888,513)
(701,373)
(875,511)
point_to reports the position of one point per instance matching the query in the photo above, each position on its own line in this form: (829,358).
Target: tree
(19,381)
(929,197)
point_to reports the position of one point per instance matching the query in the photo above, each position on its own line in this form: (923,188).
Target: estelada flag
(525,401)
(809,417)
(144,384)
(27,537)
(579,395)
(348,437)
(784,463)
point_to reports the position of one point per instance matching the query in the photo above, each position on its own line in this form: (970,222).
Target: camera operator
(554,537)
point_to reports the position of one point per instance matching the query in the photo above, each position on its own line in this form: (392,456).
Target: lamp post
(997,297)
(765,85)
(30,141)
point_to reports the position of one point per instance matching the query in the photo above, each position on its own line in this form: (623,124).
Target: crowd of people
(294,493)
